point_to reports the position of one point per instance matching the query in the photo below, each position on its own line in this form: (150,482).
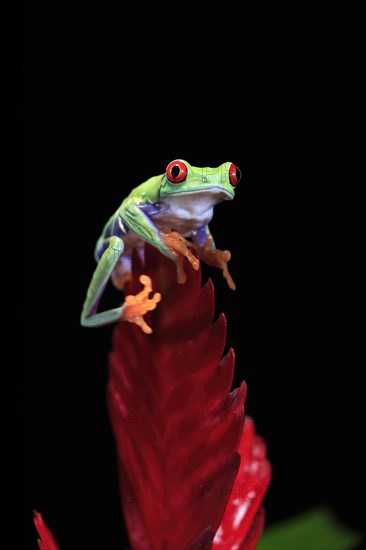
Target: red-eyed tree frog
(164,211)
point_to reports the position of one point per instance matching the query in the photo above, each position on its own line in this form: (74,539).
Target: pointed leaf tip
(242,523)
(47,540)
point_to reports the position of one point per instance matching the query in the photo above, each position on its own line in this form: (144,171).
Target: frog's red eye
(234,175)
(176,171)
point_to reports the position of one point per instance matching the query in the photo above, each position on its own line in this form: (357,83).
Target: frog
(172,212)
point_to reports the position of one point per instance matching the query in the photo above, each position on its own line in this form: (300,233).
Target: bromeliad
(192,471)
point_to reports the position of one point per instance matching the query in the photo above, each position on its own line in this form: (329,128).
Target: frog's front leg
(134,307)
(168,242)
(211,255)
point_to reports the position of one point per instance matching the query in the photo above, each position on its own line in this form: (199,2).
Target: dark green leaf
(317,529)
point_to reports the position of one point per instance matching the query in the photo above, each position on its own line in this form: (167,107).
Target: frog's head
(181,178)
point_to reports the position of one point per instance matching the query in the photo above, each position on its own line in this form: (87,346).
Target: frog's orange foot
(217,258)
(180,248)
(137,306)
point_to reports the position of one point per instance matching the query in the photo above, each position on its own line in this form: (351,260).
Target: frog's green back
(147,192)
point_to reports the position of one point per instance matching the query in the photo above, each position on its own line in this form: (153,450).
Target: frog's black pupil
(175,171)
(237,174)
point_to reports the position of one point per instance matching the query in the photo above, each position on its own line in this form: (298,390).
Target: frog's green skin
(186,207)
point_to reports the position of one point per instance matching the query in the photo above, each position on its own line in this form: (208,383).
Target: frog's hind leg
(109,258)
(122,272)
(112,264)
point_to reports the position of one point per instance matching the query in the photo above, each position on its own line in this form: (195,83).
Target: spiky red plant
(192,472)
(177,425)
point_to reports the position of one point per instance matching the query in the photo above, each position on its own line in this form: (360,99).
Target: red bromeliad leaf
(176,424)
(47,540)
(255,531)
(243,520)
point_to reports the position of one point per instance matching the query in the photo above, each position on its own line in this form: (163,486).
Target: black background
(102,112)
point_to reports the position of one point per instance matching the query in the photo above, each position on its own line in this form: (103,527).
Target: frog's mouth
(219,193)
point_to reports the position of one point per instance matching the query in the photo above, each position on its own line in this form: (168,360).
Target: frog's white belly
(184,213)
